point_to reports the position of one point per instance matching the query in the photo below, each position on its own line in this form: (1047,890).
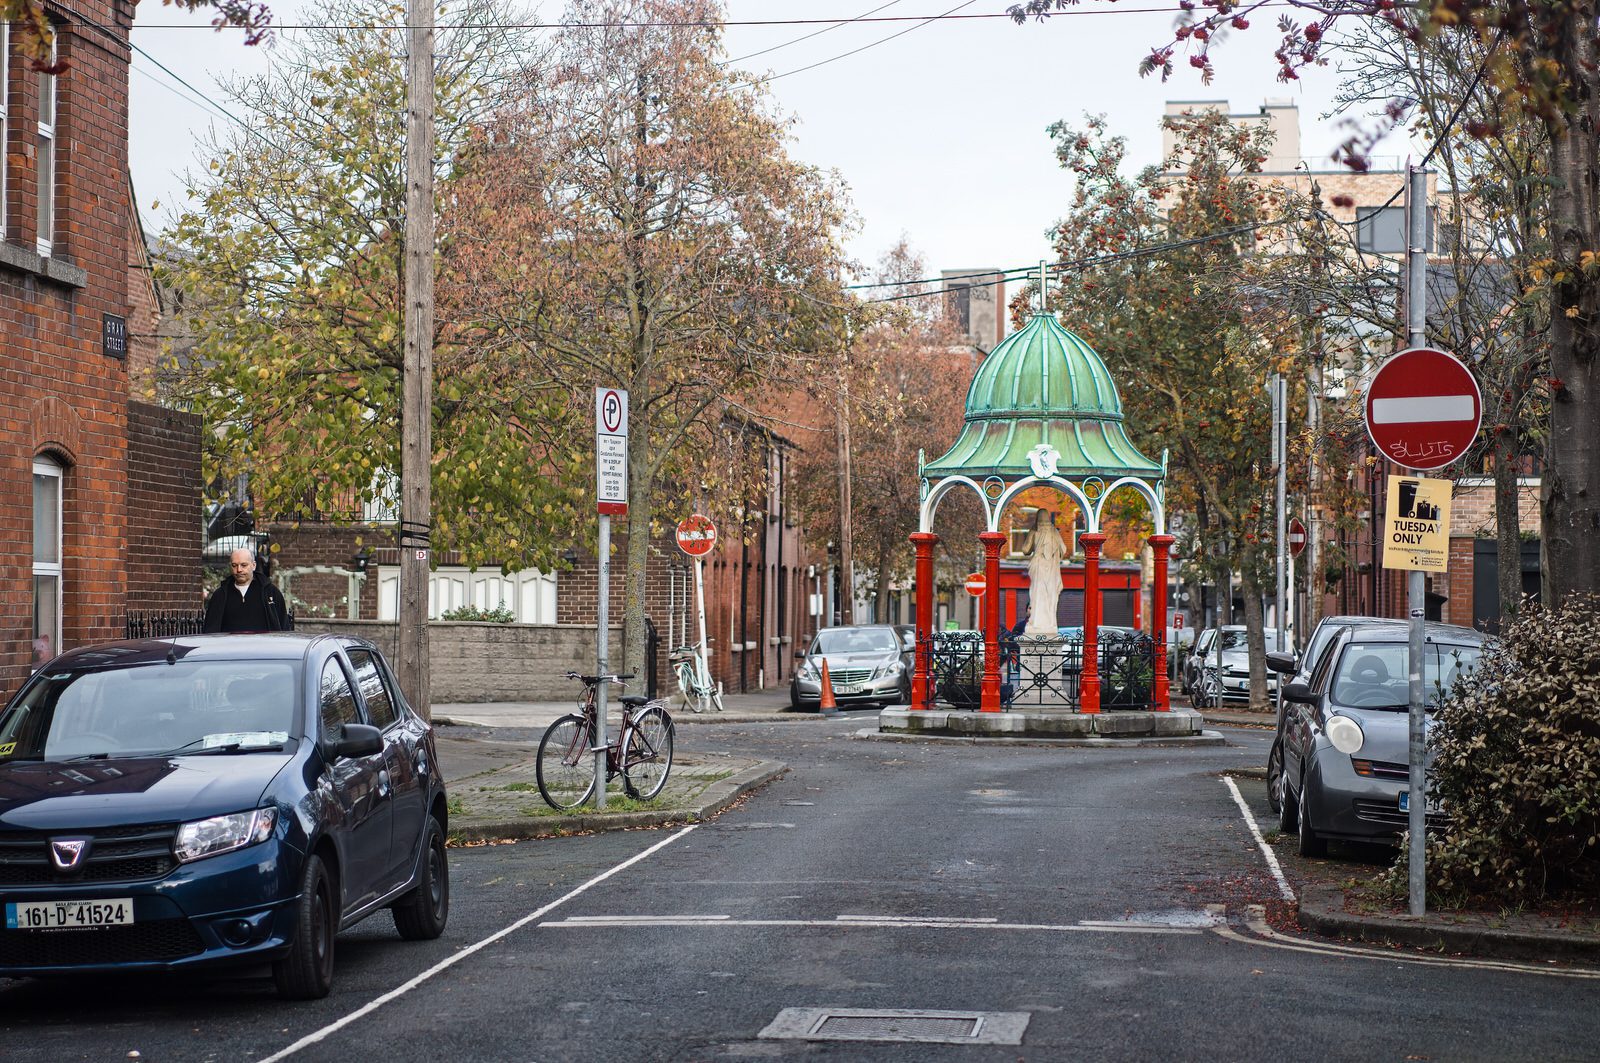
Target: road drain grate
(894,1024)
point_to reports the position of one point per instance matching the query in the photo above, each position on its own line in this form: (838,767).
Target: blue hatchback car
(167,804)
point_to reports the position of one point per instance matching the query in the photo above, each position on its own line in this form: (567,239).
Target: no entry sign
(976,584)
(1297,537)
(696,535)
(1423,409)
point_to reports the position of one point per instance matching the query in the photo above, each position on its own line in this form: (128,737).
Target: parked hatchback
(1346,739)
(215,799)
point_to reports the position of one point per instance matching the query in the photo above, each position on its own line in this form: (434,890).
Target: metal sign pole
(1416,326)
(603,626)
(700,605)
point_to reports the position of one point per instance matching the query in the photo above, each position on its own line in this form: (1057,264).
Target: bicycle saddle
(633,701)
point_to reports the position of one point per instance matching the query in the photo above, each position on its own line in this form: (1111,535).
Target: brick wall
(489,662)
(59,395)
(164,533)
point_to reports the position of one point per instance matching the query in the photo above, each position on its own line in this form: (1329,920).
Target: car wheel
(1311,843)
(306,973)
(421,914)
(794,699)
(1288,810)
(1275,776)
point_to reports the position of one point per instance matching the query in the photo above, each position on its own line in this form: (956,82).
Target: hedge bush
(501,614)
(1517,766)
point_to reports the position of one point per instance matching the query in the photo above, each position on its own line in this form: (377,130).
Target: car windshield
(153,709)
(856,640)
(1240,640)
(1374,675)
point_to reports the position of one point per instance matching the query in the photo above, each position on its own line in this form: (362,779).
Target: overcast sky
(940,133)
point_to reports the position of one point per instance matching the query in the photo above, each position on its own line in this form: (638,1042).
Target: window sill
(56,270)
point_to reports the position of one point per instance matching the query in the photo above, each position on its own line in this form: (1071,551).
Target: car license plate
(68,915)
(847,688)
(1429,807)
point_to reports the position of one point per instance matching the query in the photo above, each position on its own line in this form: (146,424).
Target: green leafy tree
(1189,351)
(289,253)
(1542,64)
(631,217)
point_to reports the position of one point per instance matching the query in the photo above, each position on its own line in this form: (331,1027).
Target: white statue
(1044,574)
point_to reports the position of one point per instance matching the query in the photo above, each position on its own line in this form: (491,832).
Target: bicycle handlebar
(595,680)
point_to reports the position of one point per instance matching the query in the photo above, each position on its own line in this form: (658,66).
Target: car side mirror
(358,740)
(799,655)
(1281,661)
(1299,692)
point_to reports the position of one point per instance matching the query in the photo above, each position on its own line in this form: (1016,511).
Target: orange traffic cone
(826,702)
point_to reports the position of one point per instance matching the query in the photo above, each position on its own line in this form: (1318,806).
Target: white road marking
(1266,850)
(854,922)
(1270,938)
(1423,408)
(449,961)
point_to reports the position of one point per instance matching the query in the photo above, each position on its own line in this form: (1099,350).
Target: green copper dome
(1043,385)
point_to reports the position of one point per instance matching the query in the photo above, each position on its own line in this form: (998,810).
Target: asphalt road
(1078,889)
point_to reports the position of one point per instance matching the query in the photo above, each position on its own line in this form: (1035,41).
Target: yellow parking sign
(1417,524)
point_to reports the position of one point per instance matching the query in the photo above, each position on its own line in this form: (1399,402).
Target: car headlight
(223,834)
(1345,734)
(896,668)
(808,672)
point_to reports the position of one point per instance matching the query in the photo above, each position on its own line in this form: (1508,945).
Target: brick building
(75,302)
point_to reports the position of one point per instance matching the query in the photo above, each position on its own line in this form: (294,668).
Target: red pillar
(1159,545)
(923,543)
(989,700)
(1089,678)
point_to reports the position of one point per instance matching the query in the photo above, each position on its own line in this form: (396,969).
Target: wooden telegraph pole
(416,442)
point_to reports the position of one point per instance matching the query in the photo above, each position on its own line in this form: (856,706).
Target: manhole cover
(896,1024)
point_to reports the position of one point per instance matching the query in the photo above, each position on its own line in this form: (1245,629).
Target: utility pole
(1314,530)
(847,571)
(416,419)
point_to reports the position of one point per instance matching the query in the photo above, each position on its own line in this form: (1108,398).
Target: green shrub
(500,614)
(1517,766)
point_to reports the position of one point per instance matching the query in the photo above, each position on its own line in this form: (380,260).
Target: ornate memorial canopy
(1043,409)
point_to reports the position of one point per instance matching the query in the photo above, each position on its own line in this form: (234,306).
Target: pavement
(494,797)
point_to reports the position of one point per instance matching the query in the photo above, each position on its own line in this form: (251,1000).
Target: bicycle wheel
(565,767)
(647,754)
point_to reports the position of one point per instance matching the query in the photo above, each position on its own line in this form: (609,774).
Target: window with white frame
(46,157)
(46,559)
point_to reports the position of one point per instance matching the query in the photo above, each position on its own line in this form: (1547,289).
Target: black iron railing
(1041,672)
(152,624)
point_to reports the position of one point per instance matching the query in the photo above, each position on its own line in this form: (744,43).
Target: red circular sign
(1423,409)
(1297,537)
(696,535)
(976,584)
(1177,621)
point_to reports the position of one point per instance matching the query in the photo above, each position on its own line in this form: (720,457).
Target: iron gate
(1041,672)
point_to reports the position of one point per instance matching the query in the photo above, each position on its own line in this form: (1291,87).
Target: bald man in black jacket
(246,603)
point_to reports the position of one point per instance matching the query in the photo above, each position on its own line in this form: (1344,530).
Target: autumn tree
(1190,352)
(289,255)
(1541,62)
(905,375)
(631,217)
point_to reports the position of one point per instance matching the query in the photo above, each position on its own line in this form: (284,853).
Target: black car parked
(215,799)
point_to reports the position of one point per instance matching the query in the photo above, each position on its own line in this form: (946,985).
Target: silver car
(866,665)
(1346,737)
(1233,677)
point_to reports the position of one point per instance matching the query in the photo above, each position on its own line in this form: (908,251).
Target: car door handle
(383,783)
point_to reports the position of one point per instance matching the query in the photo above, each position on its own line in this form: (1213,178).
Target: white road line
(1270,938)
(1266,850)
(449,961)
(580,922)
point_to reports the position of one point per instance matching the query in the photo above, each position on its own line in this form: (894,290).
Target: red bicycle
(641,752)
